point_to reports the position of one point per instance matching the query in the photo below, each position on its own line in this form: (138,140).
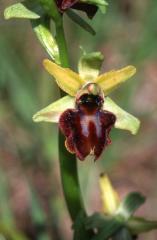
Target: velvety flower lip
(86,115)
(87,127)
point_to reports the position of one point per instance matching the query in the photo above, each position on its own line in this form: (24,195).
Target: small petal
(89,66)
(52,112)
(109,196)
(124,120)
(69,81)
(110,80)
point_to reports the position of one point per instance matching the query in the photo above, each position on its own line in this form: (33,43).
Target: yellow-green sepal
(69,81)
(52,112)
(111,80)
(124,120)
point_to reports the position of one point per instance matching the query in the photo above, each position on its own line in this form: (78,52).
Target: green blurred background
(31,200)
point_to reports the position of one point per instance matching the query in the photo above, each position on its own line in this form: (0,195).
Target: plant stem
(68,162)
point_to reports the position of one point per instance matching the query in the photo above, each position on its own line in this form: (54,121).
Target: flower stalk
(68,162)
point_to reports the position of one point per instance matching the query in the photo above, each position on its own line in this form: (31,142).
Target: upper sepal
(69,81)
(89,66)
(111,80)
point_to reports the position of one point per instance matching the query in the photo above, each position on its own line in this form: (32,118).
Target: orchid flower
(86,115)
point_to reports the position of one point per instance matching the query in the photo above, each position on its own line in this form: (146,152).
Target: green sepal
(108,230)
(139,225)
(26,9)
(130,204)
(80,231)
(97,220)
(107,227)
(80,21)
(41,28)
(124,120)
(89,65)
(52,112)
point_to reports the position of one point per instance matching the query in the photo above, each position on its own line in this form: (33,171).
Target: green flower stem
(60,38)
(68,162)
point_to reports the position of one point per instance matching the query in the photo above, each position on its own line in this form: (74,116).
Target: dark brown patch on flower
(87,127)
(89,9)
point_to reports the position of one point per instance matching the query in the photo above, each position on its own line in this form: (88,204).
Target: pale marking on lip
(85,120)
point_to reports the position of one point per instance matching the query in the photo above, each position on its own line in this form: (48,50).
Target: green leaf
(26,9)
(41,28)
(124,120)
(89,65)
(130,204)
(80,21)
(80,232)
(52,112)
(139,225)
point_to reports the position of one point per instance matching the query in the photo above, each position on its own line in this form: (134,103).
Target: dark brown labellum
(87,127)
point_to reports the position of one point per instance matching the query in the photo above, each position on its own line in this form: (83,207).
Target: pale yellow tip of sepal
(111,80)
(110,198)
(68,80)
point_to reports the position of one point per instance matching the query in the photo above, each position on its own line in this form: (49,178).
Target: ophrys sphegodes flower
(87,115)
